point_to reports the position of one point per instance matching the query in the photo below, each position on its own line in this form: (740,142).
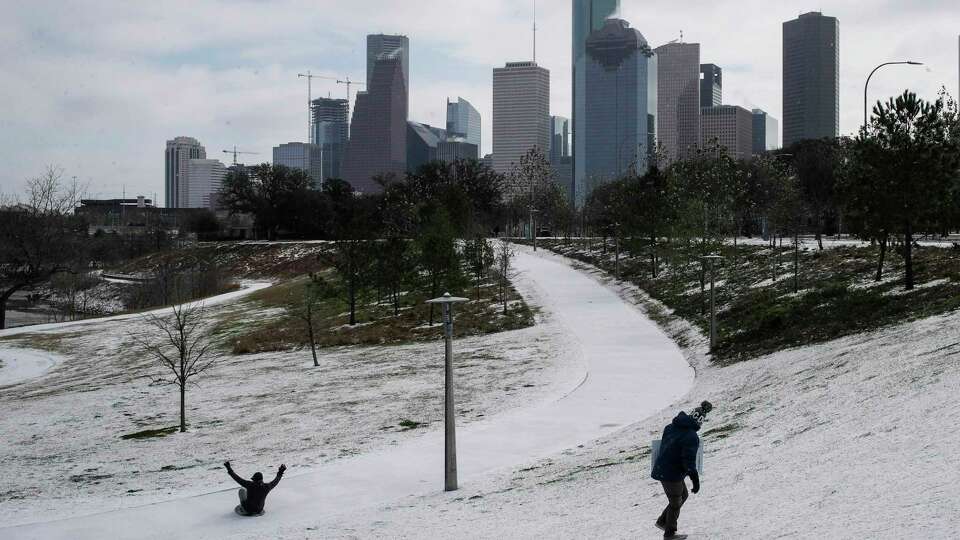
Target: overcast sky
(97,87)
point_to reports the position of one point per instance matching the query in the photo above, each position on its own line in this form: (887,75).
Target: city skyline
(97,95)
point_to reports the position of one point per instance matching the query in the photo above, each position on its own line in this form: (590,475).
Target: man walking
(677,460)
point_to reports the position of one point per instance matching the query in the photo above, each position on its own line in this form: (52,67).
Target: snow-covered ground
(18,365)
(634,370)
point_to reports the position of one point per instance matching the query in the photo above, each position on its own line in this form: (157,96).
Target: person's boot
(674,536)
(660,526)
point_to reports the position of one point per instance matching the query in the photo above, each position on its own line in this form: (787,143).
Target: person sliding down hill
(677,460)
(253,493)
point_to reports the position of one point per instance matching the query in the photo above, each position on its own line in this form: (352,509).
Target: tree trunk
(908,255)
(3,312)
(353,303)
(313,341)
(796,262)
(183,406)
(883,254)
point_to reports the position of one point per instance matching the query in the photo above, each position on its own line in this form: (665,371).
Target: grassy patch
(150,433)
(407,425)
(759,311)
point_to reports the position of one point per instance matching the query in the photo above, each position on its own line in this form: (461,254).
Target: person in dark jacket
(676,461)
(253,493)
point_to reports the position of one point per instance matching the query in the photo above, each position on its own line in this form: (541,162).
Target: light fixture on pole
(533,230)
(449,420)
(713,301)
(867,85)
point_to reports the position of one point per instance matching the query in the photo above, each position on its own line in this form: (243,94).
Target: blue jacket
(678,450)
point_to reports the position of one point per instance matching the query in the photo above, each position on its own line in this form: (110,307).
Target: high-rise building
(559,138)
(678,95)
(811,78)
(620,96)
(422,143)
(378,133)
(711,85)
(521,113)
(383,44)
(331,133)
(456,148)
(204,180)
(731,127)
(588,16)
(179,152)
(765,136)
(463,120)
(305,157)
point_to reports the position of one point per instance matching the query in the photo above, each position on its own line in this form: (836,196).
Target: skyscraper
(559,138)
(620,97)
(378,133)
(588,16)
(765,136)
(204,180)
(456,148)
(678,95)
(422,144)
(521,113)
(711,85)
(303,156)
(463,120)
(811,78)
(331,132)
(730,126)
(179,152)
(384,44)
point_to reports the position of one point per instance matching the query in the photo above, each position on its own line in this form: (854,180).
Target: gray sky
(98,86)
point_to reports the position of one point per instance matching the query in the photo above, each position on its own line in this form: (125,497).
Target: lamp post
(867,85)
(449,420)
(533,230)
(713,302)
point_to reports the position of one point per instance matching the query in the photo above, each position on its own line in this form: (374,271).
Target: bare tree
(308,309)
(504,258)
(182,349)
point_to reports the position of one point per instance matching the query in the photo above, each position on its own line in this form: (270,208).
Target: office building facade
(176,159)
(621,97)
(463,120)
(422,144)
(521,113)
(588,17)
(678,94)
(305,157)
(766,135)
(456,149)
(378,132)
(731,127)
(711,85)
(388,45)
(204,180)
(811,78)
(331,131)
(560,137)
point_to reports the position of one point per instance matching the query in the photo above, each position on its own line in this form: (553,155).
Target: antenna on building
(534,31)
(681,36)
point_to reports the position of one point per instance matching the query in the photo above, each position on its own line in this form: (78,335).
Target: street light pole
(713,302)
(449,418)
(867,85)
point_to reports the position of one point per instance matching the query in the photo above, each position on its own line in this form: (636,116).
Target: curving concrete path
(633,371)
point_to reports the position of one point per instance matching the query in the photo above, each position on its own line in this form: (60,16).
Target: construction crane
(236,152)
(309,76)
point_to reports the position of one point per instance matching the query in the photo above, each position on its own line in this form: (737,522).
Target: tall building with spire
(678,95)
(177,165)
(521,113)
(588,16)
(811,78)
(378,133)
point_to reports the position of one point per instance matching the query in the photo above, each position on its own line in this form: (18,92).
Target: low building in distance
(422,143)
(463,120)
(204,180)
(621,103)
(731,127)
(305,157)
(456,149)
(765,132)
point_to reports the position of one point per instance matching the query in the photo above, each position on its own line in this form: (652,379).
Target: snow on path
(634,370)
(246,288)
(18,365)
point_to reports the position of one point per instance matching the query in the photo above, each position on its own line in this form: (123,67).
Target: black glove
(695,478)
(283,469)
(226,464)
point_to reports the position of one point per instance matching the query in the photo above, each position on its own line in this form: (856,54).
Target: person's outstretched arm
(280,471)
(245,483)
